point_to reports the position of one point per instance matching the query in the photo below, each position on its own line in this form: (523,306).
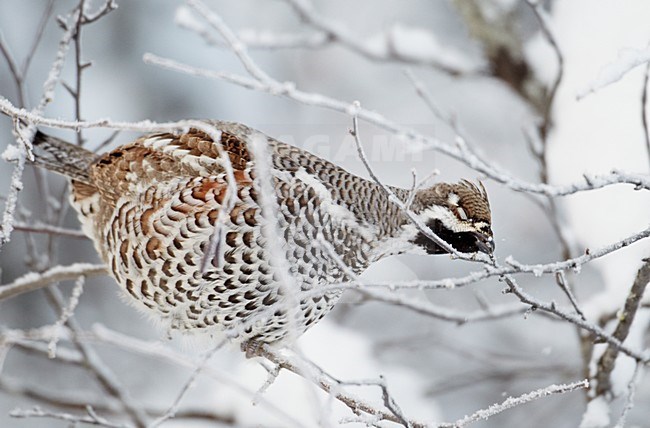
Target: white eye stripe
(449,218)
(461,213)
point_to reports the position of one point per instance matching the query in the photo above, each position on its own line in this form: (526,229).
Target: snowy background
(436,370)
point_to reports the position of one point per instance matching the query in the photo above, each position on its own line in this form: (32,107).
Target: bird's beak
(484,243)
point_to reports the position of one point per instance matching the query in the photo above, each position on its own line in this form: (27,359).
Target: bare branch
(545,27)
(94,364)
(47,13)
(644,107)
(626,318)
(173,409)
(13,69)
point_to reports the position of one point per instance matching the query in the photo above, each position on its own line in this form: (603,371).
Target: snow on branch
(407,45)
(516,401)
(33,280)
(628,59)
(576,319)
(90,418)
(24,137)
(66,313)
(395,44)
(39,227)
(293,363)
(630,396)
(417,141)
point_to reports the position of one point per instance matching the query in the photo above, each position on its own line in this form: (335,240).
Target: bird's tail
(62,157)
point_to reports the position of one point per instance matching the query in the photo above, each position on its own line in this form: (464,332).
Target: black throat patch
(464,242)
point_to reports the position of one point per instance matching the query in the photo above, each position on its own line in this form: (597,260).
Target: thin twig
(644,107)
(173,409)
(47,13)
(79,68)
(94,364)
(393,198)
(550,38)
(13,70)
(631,395)
(231,39)
(561,280)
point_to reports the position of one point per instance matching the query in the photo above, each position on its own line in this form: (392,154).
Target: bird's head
(458,213)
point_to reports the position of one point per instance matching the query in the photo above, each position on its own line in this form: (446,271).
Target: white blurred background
(437,370)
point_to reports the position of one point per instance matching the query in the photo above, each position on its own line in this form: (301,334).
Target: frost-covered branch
(516,401)
(628,59)
(507,63)
(231,39)
(428,309)
(575,319)
(103,10)
(292,363)
(34,281)
(393,198)
(631,395)
(145,126)
(417,140)
(79,400)
(23,137)
(401,44)
(38,227)
(511,267)
(66,313)
(90,417)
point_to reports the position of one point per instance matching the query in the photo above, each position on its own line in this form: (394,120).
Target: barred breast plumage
(152,208)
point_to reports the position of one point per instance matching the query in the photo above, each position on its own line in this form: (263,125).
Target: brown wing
(164,156)
(195,143)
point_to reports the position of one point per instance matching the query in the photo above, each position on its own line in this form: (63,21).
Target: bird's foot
(252,348)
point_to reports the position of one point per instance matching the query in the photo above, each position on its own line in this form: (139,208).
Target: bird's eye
(461,213)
